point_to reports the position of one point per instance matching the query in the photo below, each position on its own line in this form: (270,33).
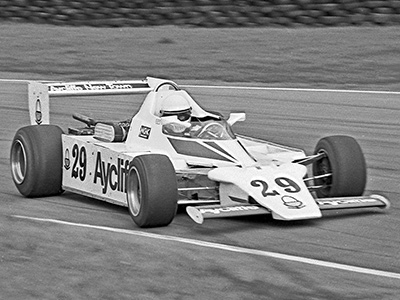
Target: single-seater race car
(173,152)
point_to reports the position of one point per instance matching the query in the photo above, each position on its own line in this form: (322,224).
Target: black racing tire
(36,160)
(152,190)
(345,160)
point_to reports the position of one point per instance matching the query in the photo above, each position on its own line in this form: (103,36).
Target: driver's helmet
(176,105)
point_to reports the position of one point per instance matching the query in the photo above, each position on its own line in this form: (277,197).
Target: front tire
(36,160)
(152,190)
(345,161)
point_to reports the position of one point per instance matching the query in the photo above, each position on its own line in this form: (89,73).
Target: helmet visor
(181,115)
(184,116)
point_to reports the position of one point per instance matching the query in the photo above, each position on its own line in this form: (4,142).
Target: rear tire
(36,160)
(345,160)
(152,191)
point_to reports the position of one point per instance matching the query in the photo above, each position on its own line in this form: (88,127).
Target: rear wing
(98,88)
(40,92)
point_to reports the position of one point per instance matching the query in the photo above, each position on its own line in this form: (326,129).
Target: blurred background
(202,13)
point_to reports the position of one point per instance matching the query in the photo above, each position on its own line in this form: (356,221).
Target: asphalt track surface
(73,247)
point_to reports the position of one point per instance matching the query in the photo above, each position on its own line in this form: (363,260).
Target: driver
(176,114)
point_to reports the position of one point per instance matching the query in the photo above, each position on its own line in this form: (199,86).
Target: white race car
(173,152)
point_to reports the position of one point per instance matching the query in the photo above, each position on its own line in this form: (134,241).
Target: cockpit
(207,128)
(181,116)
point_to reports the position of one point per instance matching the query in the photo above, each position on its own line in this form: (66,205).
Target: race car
(173,152)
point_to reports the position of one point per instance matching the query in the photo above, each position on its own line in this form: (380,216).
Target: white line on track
(288,89)
(224,247)
(251,88)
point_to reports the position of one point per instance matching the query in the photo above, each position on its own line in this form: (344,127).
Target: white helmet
(174,105)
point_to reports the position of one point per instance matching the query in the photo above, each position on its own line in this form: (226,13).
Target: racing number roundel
(288,185)
(79,165)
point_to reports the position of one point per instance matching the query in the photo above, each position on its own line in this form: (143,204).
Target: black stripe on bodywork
(240,200)
(218,147)
(192,148)
(245,150)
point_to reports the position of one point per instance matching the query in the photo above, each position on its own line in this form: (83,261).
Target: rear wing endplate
(38,101)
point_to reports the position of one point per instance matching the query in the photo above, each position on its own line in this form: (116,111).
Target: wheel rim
(18,162)
(324,167)
(134,194)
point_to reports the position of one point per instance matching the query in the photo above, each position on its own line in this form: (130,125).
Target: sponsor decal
(38,112)
(292,203)
(110,175)
(345,201)
(219,210)
(68,87)
(65,87)
(67,161)
(144,132)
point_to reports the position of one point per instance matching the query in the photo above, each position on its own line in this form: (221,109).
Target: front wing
(199,213)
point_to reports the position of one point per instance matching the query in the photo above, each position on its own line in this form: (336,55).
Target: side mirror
(236,117)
